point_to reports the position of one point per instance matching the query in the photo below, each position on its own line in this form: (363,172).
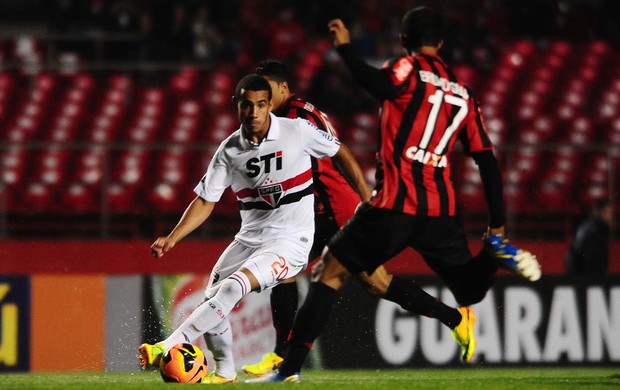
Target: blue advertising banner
(14,323)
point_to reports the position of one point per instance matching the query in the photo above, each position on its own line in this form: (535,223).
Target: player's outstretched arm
(374,80)
(491,176)
(196,213)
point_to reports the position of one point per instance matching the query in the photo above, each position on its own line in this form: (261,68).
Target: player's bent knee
(332,273)
(373,291)
(377,283)
(372,287)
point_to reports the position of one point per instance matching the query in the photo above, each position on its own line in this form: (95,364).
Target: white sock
(212,312)
(219,340)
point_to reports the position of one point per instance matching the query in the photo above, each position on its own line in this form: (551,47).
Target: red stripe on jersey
(419,128)
(286,184)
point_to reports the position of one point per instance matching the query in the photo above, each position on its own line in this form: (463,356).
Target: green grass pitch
(466,378)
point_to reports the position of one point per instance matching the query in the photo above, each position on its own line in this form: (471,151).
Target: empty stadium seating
(84,142)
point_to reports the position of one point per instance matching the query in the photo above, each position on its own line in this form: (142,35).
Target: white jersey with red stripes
(272,180)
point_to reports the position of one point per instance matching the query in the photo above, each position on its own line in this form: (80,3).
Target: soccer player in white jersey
(266,162)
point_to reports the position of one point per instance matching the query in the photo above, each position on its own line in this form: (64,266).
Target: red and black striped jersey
(419,127)
(334,197)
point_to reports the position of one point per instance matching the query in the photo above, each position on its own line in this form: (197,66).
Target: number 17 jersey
(419,127)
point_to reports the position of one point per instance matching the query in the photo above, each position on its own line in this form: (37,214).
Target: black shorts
(373,236)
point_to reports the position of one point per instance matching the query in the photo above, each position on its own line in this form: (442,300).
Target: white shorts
(270,264)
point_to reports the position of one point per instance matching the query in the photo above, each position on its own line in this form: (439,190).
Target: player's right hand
(339,32)
(161,246)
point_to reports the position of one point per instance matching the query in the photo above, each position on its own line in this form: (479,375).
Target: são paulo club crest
(271,193)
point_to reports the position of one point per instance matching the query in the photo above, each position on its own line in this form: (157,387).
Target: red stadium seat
(526,164)
(123,199)
(131,166)
(185,123)
(120,82)
(471,198)
(184,84)
(526,112)
(36,197)
(613,135)
(358,136)
(83,81)
(609,107)
(370,172)
(90,165)
(555,196)
(217,101)
(81,198)
(516,54)
(596,179)
(48,178)
(124,195)
(598,48)
(220,127)
(103,129)
(546,127)
(172,167)
(14,164)
(169,198)
(467,74)
(594,191)
(518,196)
(581,132)
(497,130)
(221,81)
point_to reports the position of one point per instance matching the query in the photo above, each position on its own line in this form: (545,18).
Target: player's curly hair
(421,26)
(251,82)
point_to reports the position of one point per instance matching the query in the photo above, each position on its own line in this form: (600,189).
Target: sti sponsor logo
(425,157)
(264,163)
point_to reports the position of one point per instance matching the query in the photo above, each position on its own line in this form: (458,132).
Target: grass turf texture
(467,378)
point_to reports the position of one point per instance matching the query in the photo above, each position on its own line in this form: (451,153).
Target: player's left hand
(161,246)
(339,32)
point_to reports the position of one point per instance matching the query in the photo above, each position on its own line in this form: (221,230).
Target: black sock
(309,324)
(412,298)
(284,300)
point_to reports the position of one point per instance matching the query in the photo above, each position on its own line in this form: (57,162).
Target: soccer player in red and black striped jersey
(425,110)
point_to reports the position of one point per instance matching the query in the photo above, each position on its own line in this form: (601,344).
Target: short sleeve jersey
(272,181)
(334,197)
(419,128)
